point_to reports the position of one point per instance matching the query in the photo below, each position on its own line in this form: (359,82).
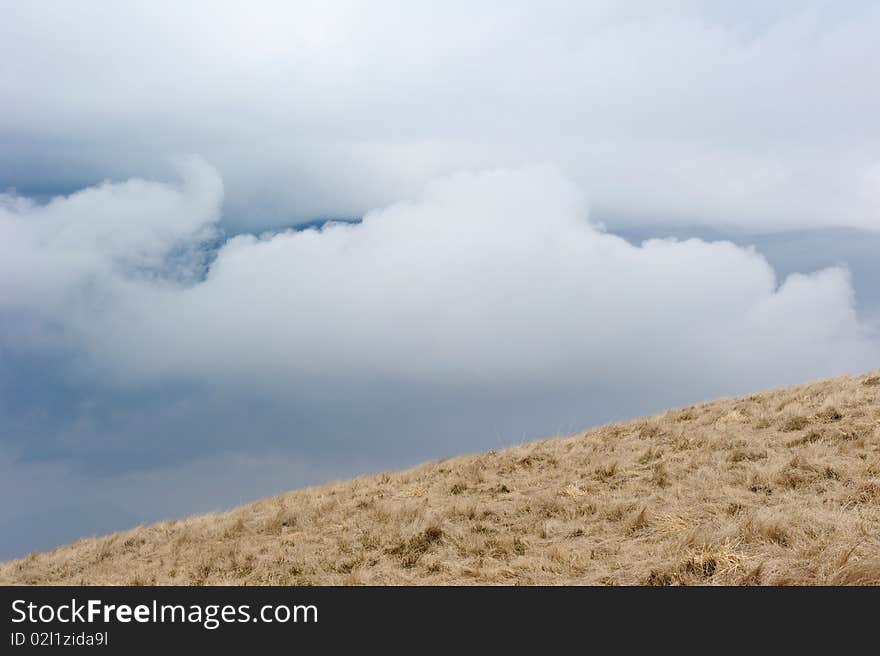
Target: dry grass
(777,488)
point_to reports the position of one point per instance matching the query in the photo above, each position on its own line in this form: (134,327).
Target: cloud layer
(483,279)
(754,114)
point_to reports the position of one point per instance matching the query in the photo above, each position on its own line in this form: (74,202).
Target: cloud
(486,278)
(66,260)
(483,279)
(755,114)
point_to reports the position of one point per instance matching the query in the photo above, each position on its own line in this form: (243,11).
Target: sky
(247,250)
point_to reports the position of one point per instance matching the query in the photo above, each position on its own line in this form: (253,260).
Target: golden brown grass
(776,488)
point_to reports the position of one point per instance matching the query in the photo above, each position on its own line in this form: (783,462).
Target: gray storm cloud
(755,114)
(483,278)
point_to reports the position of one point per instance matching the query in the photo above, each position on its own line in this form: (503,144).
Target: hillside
(781,487)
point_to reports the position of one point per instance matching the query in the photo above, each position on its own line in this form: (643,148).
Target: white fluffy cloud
(71,259)
(757,114)
(490,278)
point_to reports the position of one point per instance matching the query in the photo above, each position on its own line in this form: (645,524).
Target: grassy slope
(779,487)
